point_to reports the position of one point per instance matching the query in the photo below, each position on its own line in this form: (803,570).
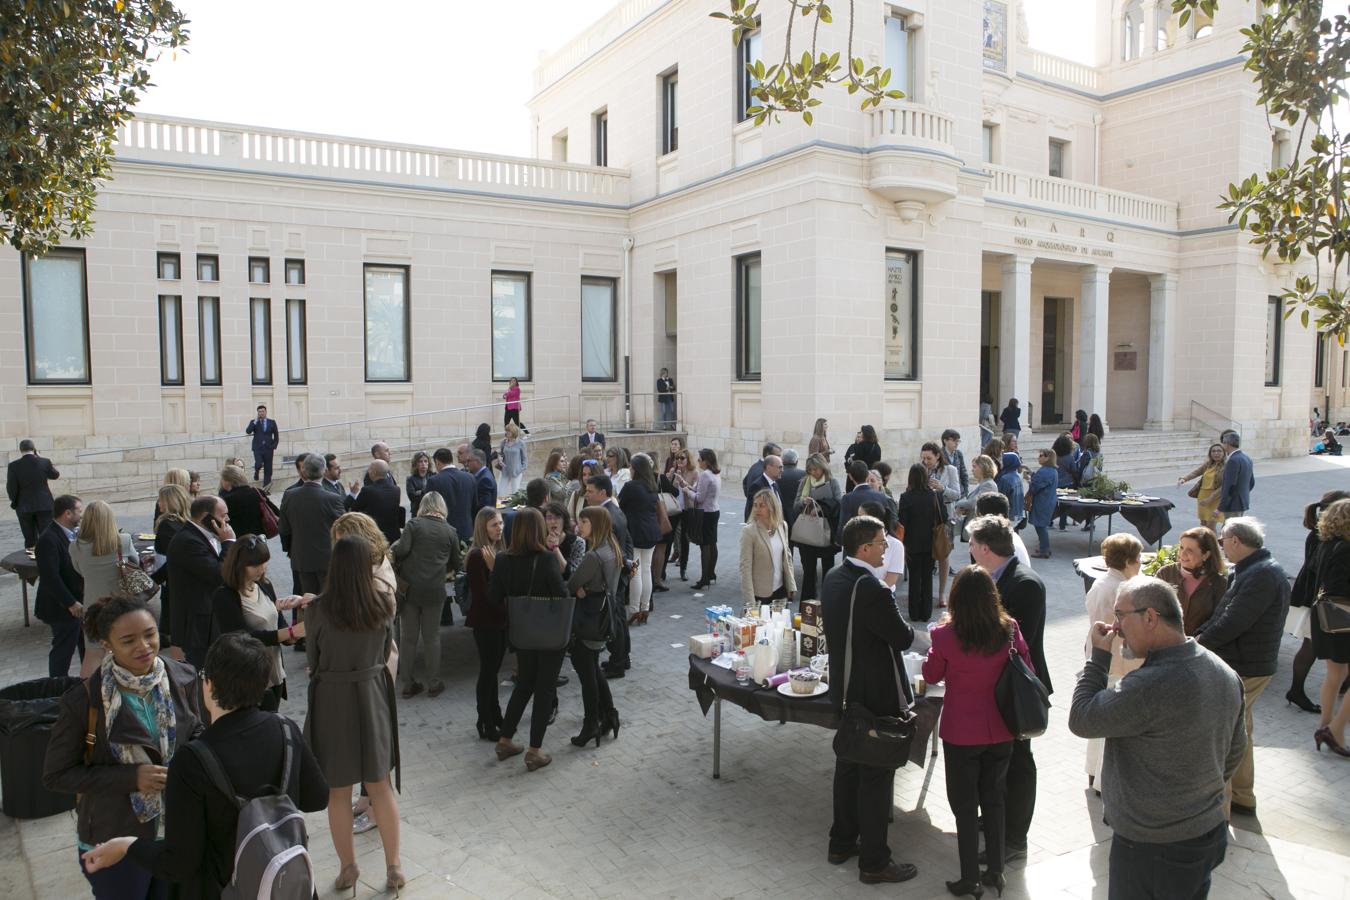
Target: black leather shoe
(894,873)
(838,859)
(560,681)
(612,673)
(970,888)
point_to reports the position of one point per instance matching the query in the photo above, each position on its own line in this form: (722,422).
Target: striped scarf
(155,683)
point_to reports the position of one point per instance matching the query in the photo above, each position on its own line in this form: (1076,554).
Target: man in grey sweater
(1174,735)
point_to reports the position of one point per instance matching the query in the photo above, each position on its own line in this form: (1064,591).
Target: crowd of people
(603,526)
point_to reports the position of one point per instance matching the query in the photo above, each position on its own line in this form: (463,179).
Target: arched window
(1132,30)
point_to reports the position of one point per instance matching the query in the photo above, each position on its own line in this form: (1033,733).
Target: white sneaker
(362,823)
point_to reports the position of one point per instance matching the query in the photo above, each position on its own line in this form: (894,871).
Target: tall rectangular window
(902,306)
(899,54)
(208,339)
(511,356)
(169,266)
(208,267)
(747,52)
(601,129)
(748,335)
(1320,364)
(170,339)
(670,121)
(297,362)
(259,270)
(599,345)
(987,143)
(1059,158)
(56,316)
(1274,339)
(260,339)
(295,271)
(388,322)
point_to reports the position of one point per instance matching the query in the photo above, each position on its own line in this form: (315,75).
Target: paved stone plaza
(642,817)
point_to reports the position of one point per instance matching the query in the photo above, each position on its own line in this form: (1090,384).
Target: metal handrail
(1223,420)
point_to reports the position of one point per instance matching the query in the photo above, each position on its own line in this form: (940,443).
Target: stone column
(1014,335)
(1162,364)
(1093,304)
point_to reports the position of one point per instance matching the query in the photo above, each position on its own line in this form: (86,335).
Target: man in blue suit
(265,440)
(60,593)
(457,488)
(476,465)
(861,494)
(1235,497)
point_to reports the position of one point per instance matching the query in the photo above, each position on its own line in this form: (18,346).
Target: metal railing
(1216,420)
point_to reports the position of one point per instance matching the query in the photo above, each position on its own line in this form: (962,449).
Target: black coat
(752,475)
(867,452)
(760,484)
(918,512)
(383,502)
(26,483)
(59,585)
(194,576)
(638,503)
(619,522)
(530,575)
(789,486)
(197,853)
(459,490)
(245,514)
(104,808)
(227,614)
(415,486)
(882,634)
(582,443)
(487,490)
(854,499)
(1248,623)
(307,516)
(1023,596)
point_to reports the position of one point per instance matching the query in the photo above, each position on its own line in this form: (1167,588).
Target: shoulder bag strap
(91,727)
(214,771)
(848,641)
(288,756)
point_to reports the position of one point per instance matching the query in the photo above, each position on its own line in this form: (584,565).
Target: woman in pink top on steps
(512,398)
(970,649)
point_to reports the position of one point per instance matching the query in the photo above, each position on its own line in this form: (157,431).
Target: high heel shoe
(347,878)
(589,731)
(506,749)
(1302,701)
(1323,736)
(633,619)
(965,888)
(536,759)
(700,585)
(994,880)
(642,617)
(394,879)
(611,723)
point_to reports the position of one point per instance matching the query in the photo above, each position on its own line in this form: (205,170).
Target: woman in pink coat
(512,398)
(970,649)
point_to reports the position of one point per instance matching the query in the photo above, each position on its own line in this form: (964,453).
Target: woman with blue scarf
(140,708)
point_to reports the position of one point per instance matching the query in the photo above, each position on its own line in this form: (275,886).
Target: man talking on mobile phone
(194,558)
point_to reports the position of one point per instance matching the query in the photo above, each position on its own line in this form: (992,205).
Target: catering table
(25,566)
(1090,568)
(1149,517)
(712,684)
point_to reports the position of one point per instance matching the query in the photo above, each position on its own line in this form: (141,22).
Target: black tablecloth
(23,565)
(1149,518)
(708,682)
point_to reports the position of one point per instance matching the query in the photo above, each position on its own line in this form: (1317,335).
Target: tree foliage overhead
(788,85)
(1300,63)
(70,72)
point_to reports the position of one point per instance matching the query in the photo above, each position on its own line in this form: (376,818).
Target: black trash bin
(27,713)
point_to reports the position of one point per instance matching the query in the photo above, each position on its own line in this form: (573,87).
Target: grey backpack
(271,855)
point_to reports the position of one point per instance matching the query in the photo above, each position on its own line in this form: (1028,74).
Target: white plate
(1087,500)
(786,690)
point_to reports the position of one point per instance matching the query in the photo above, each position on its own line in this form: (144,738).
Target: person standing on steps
(512,397)
(665,398)
(266,437)
(29,496)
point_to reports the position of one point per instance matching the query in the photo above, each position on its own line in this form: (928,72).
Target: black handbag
(865,738)
(1022,700)
(594,619)
(539,623)
(693,524)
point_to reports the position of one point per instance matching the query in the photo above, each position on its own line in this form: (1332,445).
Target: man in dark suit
(265,440)
(862,794)
(863,493)
(757,468)
(60,592)
(790,485)
(600,492)
(767,480)
(307,515)
(380,499)
(380,453)
(1023,596)
(1235,495)
(194,558)
(591,439)
(458,488)
(475,463)
(332,475)
(29,495)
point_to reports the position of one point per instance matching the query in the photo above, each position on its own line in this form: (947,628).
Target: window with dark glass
(1059,156)
(602,138)
(1274,340)
(208,339)
(297,363)
(208,267)
(259,270)
(170,339)
(1319,369)
(295,271)
(56,317)
(260,335)
(670,122)
(169,266)
(748,336)
(747,52)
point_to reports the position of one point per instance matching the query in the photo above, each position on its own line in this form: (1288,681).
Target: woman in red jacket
(970,649)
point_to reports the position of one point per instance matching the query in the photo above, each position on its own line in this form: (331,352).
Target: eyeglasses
(880,543)
(1121,613)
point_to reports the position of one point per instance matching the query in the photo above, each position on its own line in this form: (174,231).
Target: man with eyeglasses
(1174,735)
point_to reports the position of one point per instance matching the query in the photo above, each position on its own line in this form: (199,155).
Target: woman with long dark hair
(820,441)
(145,708)
(969,653)
(595,584)
(865,448)
(638,502)
(247,602)
(1011,417)
(528,569)
(416,485)
(1080,425)
(669,494)
(487,618)
(482,440)
(702,495)
(919,510)
(1095,426)
(351,725)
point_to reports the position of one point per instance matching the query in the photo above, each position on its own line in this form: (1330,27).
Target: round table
(1150,517)
(21,563)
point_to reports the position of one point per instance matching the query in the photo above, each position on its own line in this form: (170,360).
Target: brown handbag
(662,519)
(942,541)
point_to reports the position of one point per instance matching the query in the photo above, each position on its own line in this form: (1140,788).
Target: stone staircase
(1153,458)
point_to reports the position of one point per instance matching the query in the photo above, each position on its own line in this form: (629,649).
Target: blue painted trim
(1213,229)
(596,52)
(1146,86)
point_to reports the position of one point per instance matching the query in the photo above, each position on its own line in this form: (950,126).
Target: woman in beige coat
(766,554)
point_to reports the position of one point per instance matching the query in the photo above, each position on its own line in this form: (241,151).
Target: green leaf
(806,117)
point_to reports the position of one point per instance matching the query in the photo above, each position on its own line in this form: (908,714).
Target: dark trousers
(67,640)
(537,678)
(33,524)
(1174,871)
(920,587)
(309,582)
(1021,794)
(862,810)
(596,699)
(977,780)
(677,539)
(810,556)
(124,881)
(512,415)
(708,549)
(262,459)
(491,650)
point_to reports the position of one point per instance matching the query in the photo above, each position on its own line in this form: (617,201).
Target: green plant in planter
(1166,556)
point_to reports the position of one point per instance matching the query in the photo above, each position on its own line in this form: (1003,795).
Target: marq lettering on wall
(1061,246)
